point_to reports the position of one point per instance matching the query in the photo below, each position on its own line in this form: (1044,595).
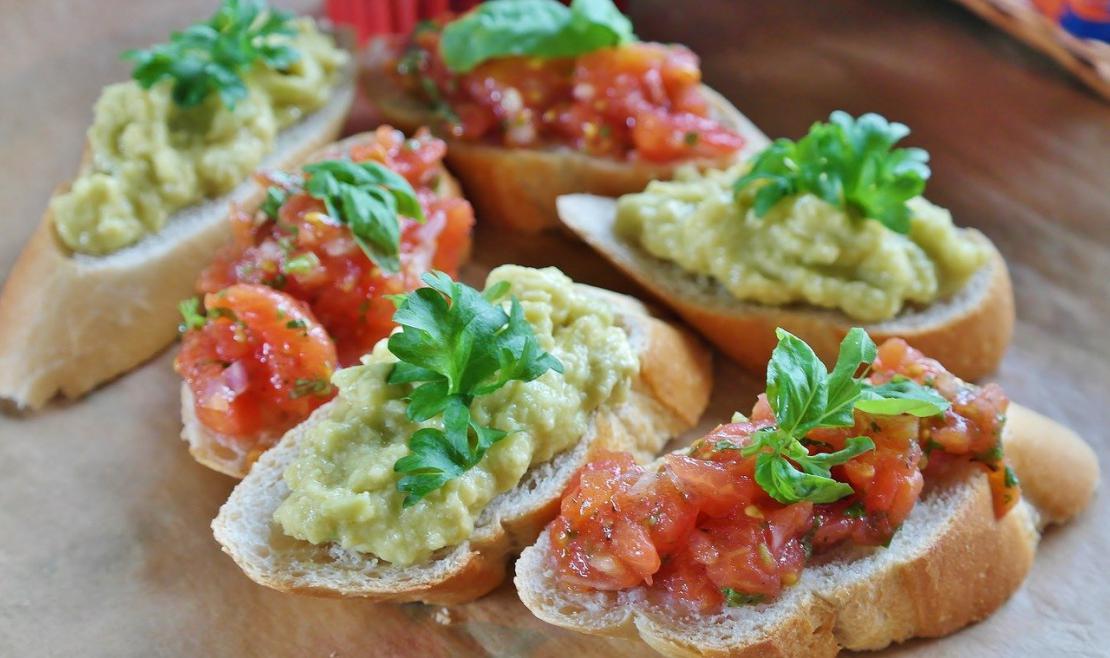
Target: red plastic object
(374,17)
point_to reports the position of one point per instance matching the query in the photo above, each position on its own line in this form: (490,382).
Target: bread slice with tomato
(298,331)
(69,321)
(951,561)
(666,397)
(514,186)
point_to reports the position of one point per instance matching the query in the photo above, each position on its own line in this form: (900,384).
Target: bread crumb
(442,617)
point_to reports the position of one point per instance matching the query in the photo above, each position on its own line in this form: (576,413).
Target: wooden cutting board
(104,542)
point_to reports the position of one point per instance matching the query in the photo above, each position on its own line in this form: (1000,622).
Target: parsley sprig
(850,163)
(210,56)
(458,344)
(805,396)
(366,196)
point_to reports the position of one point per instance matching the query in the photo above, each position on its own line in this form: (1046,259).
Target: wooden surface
(104,541)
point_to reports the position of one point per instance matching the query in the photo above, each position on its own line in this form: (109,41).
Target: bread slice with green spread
(793,257)
(950,564)
(665,394)
(70,321)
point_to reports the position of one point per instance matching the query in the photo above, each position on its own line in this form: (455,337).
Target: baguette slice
(516,188)
(952,563)
(230,455)
(967,332)
(667,397)
(69,322)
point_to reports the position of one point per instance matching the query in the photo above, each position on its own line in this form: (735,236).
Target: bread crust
(952,564)
(968,333)
(70,322)
(516,188)
(233,456)
(642,424)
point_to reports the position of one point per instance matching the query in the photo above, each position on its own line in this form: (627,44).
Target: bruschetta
(375,496)
(849,511)
(94,293)
(548,100)
(816,236)
(305,288)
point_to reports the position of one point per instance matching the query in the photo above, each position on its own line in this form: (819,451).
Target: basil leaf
(787,484)
(857,349)
(902,395)
(796,384)
(536,28)
(368,197)
(853,447)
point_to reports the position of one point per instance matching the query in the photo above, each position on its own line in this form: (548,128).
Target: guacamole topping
(343,487)
(802,249)
(150,157)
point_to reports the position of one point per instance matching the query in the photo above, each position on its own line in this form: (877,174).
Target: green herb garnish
(535,28)
(850,163)
(303,387)
(302,264)
(192,317)
(735,598)
(275,198)
(210,56)
(458,344)
(368,197)
(805,396)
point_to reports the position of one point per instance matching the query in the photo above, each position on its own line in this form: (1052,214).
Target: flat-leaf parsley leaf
(209,57)
(457,344)
(850,163)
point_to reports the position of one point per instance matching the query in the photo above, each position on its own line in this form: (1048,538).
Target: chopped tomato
(699,531)
(640,100)
(260,364)
(312,258)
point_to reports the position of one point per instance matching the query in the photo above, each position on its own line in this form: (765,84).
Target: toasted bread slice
(967,332)
(516,188)
(231,455)
(951,563)
(667,397)
(69,322)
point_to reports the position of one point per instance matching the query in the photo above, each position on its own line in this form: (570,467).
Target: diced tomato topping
(260,364)
(639,100)
(701,533)
(311,260)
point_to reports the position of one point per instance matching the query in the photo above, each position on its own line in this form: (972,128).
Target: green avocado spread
(803,250)
(343,488)
(149,157)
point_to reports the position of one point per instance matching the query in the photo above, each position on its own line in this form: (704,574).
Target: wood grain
(104,540)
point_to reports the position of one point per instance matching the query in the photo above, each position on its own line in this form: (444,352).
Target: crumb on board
(442,616)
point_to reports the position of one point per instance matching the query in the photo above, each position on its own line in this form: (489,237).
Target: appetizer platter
(508,335)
